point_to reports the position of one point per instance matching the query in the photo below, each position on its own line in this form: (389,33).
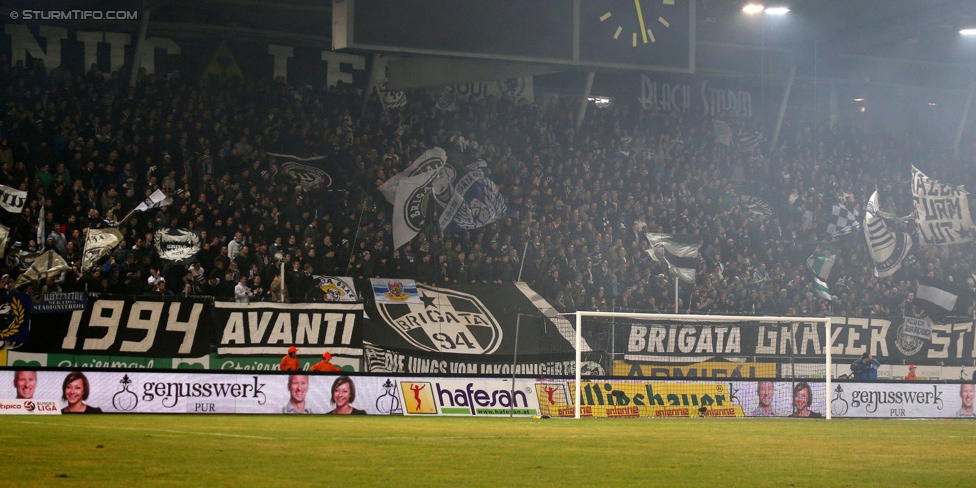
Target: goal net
(666,365)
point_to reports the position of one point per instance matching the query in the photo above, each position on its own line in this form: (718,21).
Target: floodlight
(968,32)
(777,10)
(753,8)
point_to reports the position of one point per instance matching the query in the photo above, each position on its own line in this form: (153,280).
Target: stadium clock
(630,27)
(653,33)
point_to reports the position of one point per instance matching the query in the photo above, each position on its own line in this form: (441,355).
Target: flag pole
(675,294)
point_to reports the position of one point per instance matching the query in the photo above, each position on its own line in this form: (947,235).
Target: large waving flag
(48,264)
(681,259)
(842,221)
(888,249)
(474,201)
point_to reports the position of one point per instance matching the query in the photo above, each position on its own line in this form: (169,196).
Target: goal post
(650,317)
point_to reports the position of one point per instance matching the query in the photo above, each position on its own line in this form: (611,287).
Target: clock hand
(640,17)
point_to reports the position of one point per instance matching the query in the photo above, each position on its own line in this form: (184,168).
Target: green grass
(294,451)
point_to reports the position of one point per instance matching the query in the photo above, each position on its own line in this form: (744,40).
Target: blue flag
(15,312)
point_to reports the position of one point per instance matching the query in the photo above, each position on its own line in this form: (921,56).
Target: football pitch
(178,450)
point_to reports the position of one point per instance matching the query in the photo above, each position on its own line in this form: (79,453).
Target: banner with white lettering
(943,211)
(12,199)
(127,327)
(271,328)
(61,302)
(891,340)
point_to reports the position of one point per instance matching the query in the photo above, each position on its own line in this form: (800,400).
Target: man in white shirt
(241,292)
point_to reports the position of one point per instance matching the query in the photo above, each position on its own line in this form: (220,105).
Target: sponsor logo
(714,369)
(554,399)
(169,394)
(388,402)
(472,401)
(418,398)
(445,321)
(125,400)
(637,394)
(872,400)
(16,407)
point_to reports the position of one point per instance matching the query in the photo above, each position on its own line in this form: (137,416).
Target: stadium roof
(902,42)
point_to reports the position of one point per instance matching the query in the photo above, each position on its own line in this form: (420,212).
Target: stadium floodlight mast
(703,318)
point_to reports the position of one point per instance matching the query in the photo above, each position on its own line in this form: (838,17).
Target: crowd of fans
(89,149)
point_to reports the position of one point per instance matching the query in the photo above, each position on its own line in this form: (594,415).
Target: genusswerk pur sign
(190,328)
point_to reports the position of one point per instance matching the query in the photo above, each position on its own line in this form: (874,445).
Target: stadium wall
(196,392)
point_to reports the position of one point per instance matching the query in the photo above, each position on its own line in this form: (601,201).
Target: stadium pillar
(140,43)
(962,120)
(586,99)
(782,109)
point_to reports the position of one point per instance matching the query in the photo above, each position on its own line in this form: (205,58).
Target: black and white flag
(749,143)
(681,259)
(842,221)
(304,172)
(888,249)
(943,211)
(156,200)
(98,243)
(408,192)
(940,299)
(178,246)
(12,199)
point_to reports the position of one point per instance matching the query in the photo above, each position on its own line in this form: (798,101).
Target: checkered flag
(842,222)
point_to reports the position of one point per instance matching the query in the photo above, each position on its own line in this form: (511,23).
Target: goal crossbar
(704,318)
